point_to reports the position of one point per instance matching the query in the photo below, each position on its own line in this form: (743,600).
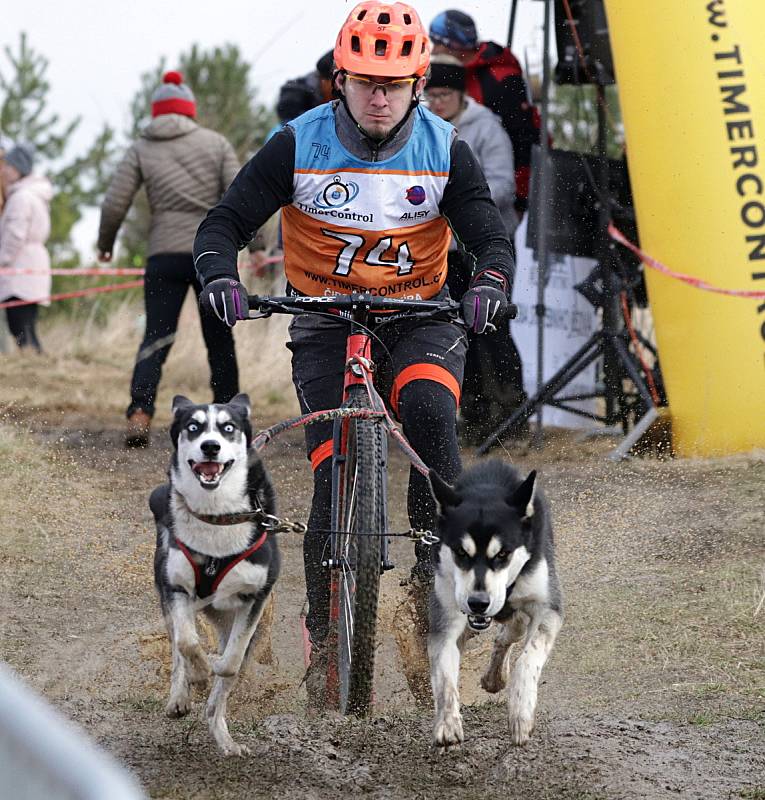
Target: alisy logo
(415,195)
(336,194)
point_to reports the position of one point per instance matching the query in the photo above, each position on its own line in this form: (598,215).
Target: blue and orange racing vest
(361,226)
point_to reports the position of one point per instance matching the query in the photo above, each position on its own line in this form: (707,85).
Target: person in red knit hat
(173,96)
(186,169)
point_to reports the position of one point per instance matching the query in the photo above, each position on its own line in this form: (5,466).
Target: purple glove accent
(482,307)
(237,302)
(226,298)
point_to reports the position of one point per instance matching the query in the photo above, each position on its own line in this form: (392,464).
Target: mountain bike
(358,542)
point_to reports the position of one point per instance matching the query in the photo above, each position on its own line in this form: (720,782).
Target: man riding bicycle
(369,186)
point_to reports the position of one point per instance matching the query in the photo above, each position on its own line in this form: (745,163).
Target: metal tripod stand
(611,341)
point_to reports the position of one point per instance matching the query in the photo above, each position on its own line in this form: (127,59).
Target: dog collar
(233,518)
(236,518)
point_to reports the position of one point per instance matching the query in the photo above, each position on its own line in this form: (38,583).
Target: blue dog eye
(192,427)
(229,428)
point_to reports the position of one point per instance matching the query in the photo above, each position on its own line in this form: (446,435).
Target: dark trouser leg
(221,355)
(493,384)
(315,544)
(21,324)
(165,285)
(428,361)
(428,413)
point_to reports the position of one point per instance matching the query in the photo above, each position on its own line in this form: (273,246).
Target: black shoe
(137,433)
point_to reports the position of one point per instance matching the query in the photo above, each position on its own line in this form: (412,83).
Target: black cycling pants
(166,282)
(21,324)
(419,371)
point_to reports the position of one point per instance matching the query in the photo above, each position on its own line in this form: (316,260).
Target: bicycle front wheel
(362,515)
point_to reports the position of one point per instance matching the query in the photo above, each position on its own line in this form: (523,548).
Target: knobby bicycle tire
(363,511)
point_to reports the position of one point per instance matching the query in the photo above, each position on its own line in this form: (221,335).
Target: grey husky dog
(494,561)
(213,553)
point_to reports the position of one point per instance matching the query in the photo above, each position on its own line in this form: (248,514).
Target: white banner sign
(569,321)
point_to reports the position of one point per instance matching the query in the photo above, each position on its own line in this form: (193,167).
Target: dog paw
(447,731)
(178,706)
(521,727)
(231,748)
(228,747)
(493,681)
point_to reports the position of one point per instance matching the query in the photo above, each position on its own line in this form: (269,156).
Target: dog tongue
(208,468)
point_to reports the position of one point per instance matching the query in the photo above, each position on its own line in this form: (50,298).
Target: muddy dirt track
(656,687)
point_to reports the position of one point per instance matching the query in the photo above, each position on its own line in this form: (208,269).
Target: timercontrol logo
(415,195)
(336,194)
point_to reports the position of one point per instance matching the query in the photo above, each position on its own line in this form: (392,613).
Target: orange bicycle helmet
(383,39)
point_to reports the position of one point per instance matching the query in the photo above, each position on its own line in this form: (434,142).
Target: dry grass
(102,357)
(661,565)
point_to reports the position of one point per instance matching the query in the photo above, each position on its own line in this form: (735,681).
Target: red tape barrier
(74,271)
(618,236)
(81,293)
(91,271)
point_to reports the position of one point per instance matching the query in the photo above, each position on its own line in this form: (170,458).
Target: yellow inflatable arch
(691,79)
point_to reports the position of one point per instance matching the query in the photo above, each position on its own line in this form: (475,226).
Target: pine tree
(573,119)
(24,117)
(225,100)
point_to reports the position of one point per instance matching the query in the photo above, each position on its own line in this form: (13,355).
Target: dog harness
(208,575)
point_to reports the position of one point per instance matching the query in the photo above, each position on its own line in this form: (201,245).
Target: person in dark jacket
(493,77)
(493,384)
(302,94)
(186,168)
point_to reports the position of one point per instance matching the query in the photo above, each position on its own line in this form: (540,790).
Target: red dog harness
(207,576)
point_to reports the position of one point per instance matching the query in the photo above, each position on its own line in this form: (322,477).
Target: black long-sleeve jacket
(265,184)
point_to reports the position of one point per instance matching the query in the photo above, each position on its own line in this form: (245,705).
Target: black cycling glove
(227,299)
(485,302)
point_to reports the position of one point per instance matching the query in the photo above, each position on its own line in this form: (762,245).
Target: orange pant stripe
(424,372)
(318,454)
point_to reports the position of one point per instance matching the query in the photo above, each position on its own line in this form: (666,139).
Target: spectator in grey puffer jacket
(479,127)
(493,384)
(186,169)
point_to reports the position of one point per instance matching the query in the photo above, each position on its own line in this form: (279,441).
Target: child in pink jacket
(24,229)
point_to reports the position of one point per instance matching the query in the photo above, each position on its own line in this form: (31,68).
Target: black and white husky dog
(212,553)
(494,561)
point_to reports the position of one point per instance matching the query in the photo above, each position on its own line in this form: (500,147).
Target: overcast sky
(97,49)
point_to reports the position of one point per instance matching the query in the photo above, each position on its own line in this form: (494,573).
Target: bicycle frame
(357,309)
(358,367)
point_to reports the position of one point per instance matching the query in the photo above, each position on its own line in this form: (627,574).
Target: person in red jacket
(493,77)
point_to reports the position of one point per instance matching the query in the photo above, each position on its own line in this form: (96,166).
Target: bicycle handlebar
(349,302)
(356,302)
